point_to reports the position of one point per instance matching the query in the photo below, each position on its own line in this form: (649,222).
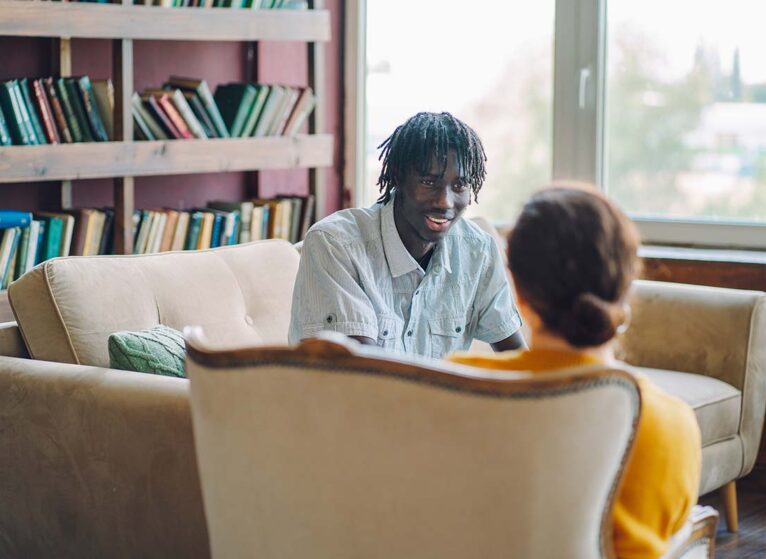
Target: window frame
(579,121)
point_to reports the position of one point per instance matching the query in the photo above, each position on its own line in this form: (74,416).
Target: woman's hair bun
(592,321)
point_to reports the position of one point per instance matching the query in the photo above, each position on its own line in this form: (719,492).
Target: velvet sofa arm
(96,463)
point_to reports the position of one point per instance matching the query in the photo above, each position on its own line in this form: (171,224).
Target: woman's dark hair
(573,255)
(426,136)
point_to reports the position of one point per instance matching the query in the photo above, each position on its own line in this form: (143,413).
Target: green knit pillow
(159,350)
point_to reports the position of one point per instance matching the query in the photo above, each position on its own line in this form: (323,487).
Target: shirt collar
(400,261)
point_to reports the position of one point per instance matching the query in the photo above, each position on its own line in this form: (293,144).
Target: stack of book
(222,224)
(55,110)
(251,4)
(184,108)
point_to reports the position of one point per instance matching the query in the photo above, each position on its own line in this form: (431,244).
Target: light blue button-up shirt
(356,277)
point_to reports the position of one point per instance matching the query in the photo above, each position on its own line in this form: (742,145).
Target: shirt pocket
(447,334)
(389,332)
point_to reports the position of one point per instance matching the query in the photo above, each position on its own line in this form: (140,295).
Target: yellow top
(661,479)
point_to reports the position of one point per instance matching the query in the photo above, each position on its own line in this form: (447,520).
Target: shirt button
(329,319)
(437,268)
(458,329)
(409,333)
(385,332)
(418,291)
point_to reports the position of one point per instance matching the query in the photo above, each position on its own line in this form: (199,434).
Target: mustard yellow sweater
(662,476)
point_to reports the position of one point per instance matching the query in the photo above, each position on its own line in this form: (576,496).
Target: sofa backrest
(363,454)
(66,308)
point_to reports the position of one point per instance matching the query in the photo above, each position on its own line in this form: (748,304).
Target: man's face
(428,205)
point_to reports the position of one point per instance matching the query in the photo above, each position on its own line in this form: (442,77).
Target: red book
(174,116)
(58,111)
(41,100)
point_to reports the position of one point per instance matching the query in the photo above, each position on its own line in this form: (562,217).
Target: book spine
(66,105)
(91,110)
(31,108)
(14,218)
(153,105)
(26,123)
(5,133)
(21,259)
(212,109)
(58,111)
(45,111)
(78,108)
(184,110)
(170,110)
(10,105)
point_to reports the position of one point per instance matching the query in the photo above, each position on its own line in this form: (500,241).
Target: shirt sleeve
(497,314)
(328,294)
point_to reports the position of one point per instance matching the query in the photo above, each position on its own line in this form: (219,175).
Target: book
(201,88)
(183,108)
(25,113)
(215,235)
(66,232)
(40,252)
(82,219)
(46,112)
(144,227)
(58,111)
(152,105)
(142,130)
(244,211)
(167,107)
(10,265)
(179,235)
(31,108)
(21,253)
(52,240)
(301,111)
(192,237)
(169,230)
(103,91)
(206,230)
(307,216)
(107,237)
(14,218)
(78,109)
(235,101)
(255,111)
(97,128)
(10,107)
(5,133)
(6,247)
(33,244)
(66,105)
(288,102)
(269,109)
(199,111)
(140,111)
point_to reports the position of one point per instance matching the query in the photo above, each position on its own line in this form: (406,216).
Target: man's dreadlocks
(424,137)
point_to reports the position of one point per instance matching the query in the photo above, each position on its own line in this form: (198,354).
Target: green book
(78,108)
(88,99)
(5,131)
(199,111)
(34,118)
(25,118)
(74,126)
(10,107)
(235,101)
(52,241)
(255,110)
(201,88)
(21,262)
(8,272)
(192,236)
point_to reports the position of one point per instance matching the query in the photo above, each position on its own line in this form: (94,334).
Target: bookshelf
(124,159)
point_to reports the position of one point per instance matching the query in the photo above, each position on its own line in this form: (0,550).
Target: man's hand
(514,341)
(364,340)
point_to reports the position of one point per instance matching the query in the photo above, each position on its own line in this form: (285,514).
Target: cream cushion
(66,308)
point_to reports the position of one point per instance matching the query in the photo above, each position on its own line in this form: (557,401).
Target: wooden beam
(114,21)
(174,157)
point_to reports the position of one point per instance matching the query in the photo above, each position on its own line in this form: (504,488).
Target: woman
(573,256)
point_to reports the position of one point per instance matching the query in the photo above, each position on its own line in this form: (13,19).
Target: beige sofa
(101,463)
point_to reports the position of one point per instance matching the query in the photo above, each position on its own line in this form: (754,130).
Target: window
(479,61)
(662,104)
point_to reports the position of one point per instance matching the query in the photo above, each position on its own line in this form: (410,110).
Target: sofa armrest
(696,540)
(98,463)
(709,331)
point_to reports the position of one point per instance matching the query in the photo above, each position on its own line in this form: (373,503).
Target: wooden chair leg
(729,496)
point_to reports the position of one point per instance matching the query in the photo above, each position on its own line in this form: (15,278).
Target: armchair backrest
(332,450)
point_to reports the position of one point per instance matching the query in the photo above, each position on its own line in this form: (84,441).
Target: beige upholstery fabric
(96,463)
(67,307)
(11,343)
(317,455)
(717,333)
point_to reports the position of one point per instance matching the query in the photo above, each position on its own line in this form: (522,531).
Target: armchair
(335,450)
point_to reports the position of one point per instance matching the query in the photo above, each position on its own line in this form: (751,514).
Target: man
(409,273)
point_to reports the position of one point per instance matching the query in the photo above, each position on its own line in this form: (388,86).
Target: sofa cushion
(716,404)
(159,350)
(66,308)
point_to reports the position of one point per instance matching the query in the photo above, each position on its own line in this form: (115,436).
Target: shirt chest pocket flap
(388,331)
(451,326)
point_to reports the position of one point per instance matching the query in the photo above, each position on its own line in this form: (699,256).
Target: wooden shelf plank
(116,21)
(175,157)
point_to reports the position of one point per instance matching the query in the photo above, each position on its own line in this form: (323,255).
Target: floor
(750,541)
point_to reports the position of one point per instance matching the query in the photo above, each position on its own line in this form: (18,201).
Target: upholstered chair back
(331,450)
(66,308)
